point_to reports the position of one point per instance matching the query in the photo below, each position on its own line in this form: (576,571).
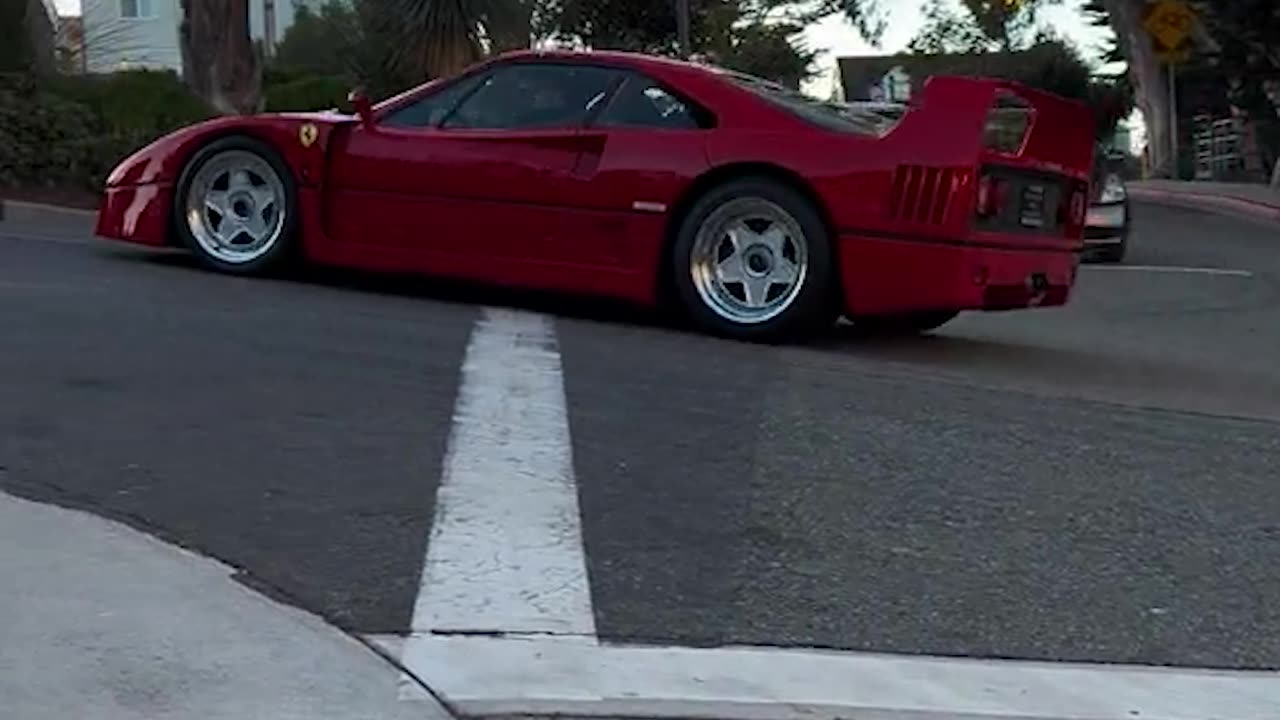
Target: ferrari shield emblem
(307,135)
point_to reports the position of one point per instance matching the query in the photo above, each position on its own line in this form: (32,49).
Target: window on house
(135,8)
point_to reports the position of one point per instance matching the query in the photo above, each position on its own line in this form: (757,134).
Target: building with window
(123,34)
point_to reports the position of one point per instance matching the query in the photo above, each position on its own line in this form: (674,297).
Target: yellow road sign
(1177,56)
(1170,22)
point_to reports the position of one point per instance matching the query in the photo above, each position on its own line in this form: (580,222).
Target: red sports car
(762,213)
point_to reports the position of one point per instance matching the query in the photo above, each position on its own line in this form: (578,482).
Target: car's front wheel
(753,261)
(235,206)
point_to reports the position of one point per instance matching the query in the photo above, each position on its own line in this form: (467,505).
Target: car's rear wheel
(236,206)
(904,323)
(753,261)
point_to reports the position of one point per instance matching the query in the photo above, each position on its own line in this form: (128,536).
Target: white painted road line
(505,552)
(1171,269)
(506,558)
(486,676)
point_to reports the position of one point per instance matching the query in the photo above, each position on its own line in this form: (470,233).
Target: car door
(647,144)
(477,171)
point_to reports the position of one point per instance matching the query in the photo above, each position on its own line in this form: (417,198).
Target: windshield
(828,115)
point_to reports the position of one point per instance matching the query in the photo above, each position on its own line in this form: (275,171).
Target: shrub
(70,132)
(323,92)
(137,100)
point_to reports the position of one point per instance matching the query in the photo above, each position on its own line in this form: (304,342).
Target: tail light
(1079,208)
(1008,124)
(992,193)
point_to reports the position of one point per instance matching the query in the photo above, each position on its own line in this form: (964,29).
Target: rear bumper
(882,276)
(136,213)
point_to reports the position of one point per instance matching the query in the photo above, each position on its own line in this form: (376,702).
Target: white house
(120,34)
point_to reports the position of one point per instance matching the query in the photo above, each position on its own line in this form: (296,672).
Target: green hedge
(301,94)
(69,132)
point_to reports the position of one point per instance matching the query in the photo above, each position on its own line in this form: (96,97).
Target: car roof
(654,64)
(707,84)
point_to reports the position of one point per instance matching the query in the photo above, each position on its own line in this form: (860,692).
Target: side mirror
(363,108)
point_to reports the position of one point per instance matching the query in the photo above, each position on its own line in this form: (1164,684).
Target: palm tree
(433,38)
(508,24)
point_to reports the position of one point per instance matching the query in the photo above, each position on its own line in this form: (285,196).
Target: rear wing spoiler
(1058,135)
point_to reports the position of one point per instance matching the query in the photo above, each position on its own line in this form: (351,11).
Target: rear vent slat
(927,194)
(913,192)
(922,194)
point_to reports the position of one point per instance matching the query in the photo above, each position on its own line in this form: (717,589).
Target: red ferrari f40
(763,214)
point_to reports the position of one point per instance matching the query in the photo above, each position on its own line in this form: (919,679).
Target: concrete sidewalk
(100,622)
(1257,202)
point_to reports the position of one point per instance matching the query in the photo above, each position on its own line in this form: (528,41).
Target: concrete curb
(504,677)
(1233,206)
(104,616)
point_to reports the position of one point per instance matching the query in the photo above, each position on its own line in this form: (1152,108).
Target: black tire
(284,249)
(912,323)
(814,304)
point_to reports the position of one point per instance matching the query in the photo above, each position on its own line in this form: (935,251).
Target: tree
(30,50)
(947,30)
(980,25)
(428,38)
(1146,76)
(1010,24)
(510,24)
(755,36)
(220,62)
(320,43)
(1004,39)
(1248,57)
(769,51)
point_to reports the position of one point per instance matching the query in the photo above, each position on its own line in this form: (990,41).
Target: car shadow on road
(950,351)
(942,349)
(448,290)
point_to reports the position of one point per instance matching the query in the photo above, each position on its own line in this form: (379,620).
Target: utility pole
(1173,120)
(268,27)
(682,27)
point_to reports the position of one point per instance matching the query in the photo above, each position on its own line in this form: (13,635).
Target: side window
(534,95)
(135,9)
(642,103)
(429,111)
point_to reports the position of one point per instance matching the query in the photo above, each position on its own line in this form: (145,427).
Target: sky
(835,37)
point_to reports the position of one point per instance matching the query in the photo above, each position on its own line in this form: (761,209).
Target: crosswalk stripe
(505,552)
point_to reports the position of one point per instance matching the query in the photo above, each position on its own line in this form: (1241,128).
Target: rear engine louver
(922,194)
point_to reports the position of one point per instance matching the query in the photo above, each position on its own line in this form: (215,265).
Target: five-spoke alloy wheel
(753,261)
(235,206)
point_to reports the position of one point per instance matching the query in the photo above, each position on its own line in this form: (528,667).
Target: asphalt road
(1090,483)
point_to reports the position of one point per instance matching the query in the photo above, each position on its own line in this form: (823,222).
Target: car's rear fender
(728,172)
